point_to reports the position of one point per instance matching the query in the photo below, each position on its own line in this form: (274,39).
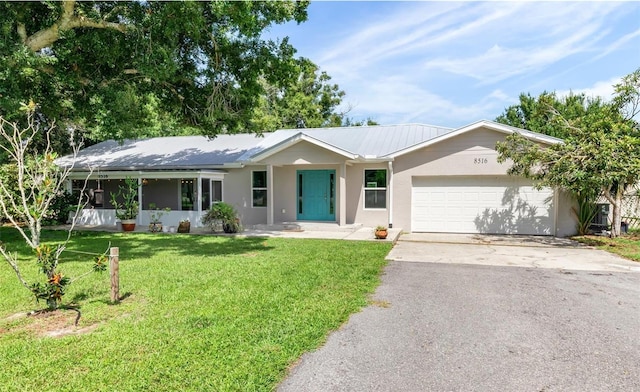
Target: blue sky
(454,63)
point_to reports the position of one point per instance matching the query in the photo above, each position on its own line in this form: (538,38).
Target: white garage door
(504,204)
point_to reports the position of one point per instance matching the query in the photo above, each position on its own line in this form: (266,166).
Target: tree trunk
(617,213)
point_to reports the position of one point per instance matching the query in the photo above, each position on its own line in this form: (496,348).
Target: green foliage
(586,211)
(125,201)
(64,204)
(136,69)
(626,246)
(311,101)
(156,214)
(600,154)
(222,214)
(54,288)
(540,114)
(349,122)
(204,313)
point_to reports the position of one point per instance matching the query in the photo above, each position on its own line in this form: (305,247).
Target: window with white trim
(375,188)
(211,191)
(259,188)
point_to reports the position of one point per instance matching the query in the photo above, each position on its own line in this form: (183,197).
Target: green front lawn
(627,246)
(200,313)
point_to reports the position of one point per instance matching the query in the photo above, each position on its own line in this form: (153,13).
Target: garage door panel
(481,205)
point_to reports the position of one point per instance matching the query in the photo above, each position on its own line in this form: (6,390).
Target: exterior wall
(303,153)
(285,193)
(236,190)
(356,213)
(470,154)
(300,156)
(566,221)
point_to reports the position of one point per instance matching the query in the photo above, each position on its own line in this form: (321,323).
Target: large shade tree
(311,101)
(600,155)
(124,69)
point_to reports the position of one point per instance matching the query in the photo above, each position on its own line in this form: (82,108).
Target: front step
(307,226)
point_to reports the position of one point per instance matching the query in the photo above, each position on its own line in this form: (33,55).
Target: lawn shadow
(135,245)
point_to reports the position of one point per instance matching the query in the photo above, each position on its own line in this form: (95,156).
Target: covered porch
(186,194)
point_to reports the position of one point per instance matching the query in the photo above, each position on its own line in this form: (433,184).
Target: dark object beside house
(600,222)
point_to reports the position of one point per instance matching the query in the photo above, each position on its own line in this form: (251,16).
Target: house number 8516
(480,161)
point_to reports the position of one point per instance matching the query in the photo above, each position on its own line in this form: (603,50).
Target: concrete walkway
(319,230)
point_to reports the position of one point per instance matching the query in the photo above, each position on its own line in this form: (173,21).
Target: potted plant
(127,210)
(222,215)
(381,232)
(155,214)
(184,226)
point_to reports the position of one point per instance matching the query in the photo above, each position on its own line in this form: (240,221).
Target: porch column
(139,199)
(390,194)
(270,201)
(198,190)
(342,195)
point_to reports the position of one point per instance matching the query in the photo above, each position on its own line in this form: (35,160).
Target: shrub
(222,214)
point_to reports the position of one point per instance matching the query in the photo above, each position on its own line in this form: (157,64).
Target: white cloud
(500,63)
(602,89)
(619,43)
(485,41)
(396,100)
(454,63)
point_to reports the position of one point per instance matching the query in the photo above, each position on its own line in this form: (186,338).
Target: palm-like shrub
(222,215)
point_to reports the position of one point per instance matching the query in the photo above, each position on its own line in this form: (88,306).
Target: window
(216,195)
(187,195)
(259,188)
(375,188)
(211,193)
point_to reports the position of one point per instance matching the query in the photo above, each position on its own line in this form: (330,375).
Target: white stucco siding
(304,153)
(470,155)
(236,190)
(308,156)
(566,221)
(356,211)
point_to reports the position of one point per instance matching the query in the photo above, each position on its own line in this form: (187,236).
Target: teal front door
(316,195)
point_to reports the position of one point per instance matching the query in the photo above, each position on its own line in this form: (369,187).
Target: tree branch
(67,21)
(12,260)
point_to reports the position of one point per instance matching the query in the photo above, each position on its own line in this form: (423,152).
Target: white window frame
(265,189)
(211,201)
(365,189)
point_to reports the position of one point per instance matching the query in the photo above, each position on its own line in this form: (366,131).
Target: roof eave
(479,124)
(295,139)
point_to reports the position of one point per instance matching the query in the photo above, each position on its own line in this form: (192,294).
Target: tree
(349,122)
(39,182)
(600,154)
(536,114)
(310,101)
(132,69)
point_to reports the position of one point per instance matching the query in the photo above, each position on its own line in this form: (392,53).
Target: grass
(200,313)
(627,246)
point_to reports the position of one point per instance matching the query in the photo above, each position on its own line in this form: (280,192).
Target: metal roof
(198,152)
(176,152)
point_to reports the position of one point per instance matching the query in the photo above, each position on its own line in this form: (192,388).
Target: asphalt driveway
(454,320)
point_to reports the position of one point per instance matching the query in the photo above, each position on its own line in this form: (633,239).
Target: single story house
(419,178)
